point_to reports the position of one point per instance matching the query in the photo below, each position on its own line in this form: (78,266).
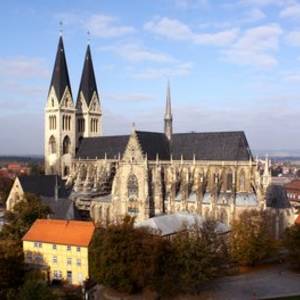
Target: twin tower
(66,123)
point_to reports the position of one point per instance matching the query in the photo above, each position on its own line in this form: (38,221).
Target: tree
(36,290)
(200,256)
(122,256)
(5,187)
(292,243)
(11,266)
(22,217)
(251,238)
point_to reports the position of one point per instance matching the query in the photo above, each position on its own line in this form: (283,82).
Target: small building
(293,192)
(60,247)
(50,188)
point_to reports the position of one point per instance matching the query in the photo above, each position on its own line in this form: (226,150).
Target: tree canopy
(292,243)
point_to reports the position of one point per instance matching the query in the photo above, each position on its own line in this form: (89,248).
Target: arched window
(242,183)
(223,216)
(66,145)
(52,145)
(229,181)
(66,171)
(132,186)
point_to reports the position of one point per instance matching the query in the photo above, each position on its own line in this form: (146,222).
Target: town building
(144,174)
(293,192)
(60,248)
(50,188)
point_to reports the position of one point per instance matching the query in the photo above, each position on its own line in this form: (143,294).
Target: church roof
(60,76)
(93,147)
(88,80)
(205,146)
(211,146)
(44,185)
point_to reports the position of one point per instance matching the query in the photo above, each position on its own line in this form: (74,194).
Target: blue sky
(232,64)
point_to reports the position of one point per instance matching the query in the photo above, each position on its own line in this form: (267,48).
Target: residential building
(293,192)
(60,247)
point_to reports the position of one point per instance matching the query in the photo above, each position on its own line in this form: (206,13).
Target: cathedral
(144,174)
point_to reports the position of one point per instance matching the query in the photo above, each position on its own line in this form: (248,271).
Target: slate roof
(225,146)
(61,209)
(88,81)
(154,143)
(44,185)
(60,76)
(276,197)
(93,147)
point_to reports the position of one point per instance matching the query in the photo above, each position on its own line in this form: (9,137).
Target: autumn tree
(22,217)
(292,243)
(251,238)
(11,266)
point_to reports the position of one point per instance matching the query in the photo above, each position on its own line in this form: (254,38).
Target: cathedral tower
(60,116)
(168,128)
(88,116)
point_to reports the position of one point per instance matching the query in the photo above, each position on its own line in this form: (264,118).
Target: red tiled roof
(77,233)
(295,184)
(298,220)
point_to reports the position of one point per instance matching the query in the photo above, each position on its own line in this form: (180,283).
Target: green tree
(11,266)
(251,238)
(5,186)
(22,217)
(36,290)
(123,256)
(292,243)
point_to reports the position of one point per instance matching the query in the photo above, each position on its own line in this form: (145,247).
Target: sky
(232,65)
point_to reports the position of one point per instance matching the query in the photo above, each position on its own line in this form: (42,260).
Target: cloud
(291,11)
(178,31)
(137,53)
(256,47)
(191,4)
(107,26)
(133,97)
(254,15)
(23,67)
(293,38)
(177,70)
(262,3)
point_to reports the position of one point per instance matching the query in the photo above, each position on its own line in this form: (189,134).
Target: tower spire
(88,80)
(168,114)
(60,76)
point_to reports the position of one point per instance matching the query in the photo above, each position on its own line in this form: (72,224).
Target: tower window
(52,145)
(229,182)
(66,145)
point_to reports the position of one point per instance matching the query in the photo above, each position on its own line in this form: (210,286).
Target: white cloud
(291,11)
(135,97)
(190,4)
(262,3)
(137,53)
(176,30)
(107,26)
(256,47)
(293,38)
(177,70)
(254,15)
(23,67)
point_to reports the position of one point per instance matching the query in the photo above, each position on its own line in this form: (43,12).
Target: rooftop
(75,233)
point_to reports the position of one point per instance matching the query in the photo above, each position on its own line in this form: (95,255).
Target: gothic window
(66,145)
(242,183)
(223,216)
(52,144)
(132,186)
(52,102)
(66,171)
(229,181)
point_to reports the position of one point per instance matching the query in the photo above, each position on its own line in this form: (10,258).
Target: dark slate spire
(88,81)
(60,77)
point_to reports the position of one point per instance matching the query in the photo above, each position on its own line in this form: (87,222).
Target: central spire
(168,114)
(60,76)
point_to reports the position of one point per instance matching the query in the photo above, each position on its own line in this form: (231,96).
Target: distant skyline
(232,65)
